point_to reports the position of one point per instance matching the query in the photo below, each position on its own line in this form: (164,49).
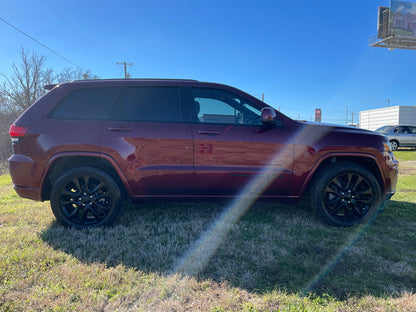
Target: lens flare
(197,257)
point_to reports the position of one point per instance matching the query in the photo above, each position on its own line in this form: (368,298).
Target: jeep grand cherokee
(88,145)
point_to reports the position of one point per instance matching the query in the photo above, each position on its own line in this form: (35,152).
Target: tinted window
(86,104)
(218,106)
(152,104)
(402,130)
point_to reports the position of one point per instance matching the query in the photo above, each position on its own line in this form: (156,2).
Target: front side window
(218,106)
(160,104)
(86,104)
(402,130)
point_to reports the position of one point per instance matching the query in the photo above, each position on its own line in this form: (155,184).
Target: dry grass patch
(275,258)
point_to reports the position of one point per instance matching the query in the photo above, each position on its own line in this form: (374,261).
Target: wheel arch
(64,162)
(368,162)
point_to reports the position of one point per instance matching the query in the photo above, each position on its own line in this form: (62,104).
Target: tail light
(17,132)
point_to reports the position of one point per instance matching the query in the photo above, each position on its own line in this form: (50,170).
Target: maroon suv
(88,145)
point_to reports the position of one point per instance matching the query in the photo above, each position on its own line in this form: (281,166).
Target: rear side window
(151,104)
(93,103)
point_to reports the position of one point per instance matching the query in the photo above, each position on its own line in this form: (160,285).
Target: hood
(336,127)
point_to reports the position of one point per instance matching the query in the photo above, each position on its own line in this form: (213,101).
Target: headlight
(386,143)
(387,147)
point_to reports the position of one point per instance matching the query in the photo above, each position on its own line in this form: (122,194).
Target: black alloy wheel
(346,194)
(86,197)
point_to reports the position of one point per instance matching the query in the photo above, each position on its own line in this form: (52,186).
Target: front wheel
(394,145)
(85,197)
(344,194)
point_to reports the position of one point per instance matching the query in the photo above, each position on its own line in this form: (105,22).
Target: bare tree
(70,74)
(26,83)
(28,78)
(24,87)
(6,118)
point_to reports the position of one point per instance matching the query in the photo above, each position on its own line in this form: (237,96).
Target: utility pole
(125,67)
(346,118)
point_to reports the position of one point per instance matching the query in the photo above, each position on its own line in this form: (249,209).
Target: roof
(53,85)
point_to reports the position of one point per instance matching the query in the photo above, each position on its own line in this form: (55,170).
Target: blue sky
(301,54)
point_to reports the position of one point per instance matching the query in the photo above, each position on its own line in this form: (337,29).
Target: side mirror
(268,116)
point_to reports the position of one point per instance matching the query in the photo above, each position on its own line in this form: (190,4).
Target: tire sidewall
(99,174)
(394,145)
(328,174)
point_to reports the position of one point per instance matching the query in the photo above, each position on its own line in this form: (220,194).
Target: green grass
(405,155)
(275,258)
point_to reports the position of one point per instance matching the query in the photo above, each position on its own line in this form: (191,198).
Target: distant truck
(396,115)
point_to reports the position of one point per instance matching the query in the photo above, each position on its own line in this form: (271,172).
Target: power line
(38,42)
(95,39)
(89,21)
(68,22)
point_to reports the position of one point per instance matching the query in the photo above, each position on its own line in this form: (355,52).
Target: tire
(345,194)
(394,145)
(86,197)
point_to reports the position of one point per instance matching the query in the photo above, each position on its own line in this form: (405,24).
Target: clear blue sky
(301,54)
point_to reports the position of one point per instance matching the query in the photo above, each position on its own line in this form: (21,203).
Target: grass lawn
(277,257)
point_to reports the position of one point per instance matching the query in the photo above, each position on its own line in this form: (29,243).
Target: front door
(234,152)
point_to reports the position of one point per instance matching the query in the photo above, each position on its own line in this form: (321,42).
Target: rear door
(149,140)
(233,150)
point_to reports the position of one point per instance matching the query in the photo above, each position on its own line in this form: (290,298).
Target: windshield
(384,129)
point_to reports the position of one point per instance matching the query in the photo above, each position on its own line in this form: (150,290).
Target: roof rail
(53,85)
(136,79)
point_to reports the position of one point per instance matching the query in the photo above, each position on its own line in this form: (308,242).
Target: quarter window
(92,104)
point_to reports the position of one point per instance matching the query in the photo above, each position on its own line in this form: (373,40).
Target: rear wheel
(345,194)
(86,197)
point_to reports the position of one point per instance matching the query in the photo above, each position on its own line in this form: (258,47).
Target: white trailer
(376,118)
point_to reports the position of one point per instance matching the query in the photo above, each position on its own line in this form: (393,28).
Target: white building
(375,118)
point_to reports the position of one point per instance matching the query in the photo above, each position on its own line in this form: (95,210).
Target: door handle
(209,132)
(120,129)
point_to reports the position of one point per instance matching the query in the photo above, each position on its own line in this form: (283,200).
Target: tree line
(23,87)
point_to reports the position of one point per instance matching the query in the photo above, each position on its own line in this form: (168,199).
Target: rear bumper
(24,177)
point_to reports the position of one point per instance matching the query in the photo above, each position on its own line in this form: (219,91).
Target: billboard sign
(383,22)
(403,18)
(318,115)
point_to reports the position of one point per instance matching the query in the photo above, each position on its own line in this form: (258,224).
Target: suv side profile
(87,146)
